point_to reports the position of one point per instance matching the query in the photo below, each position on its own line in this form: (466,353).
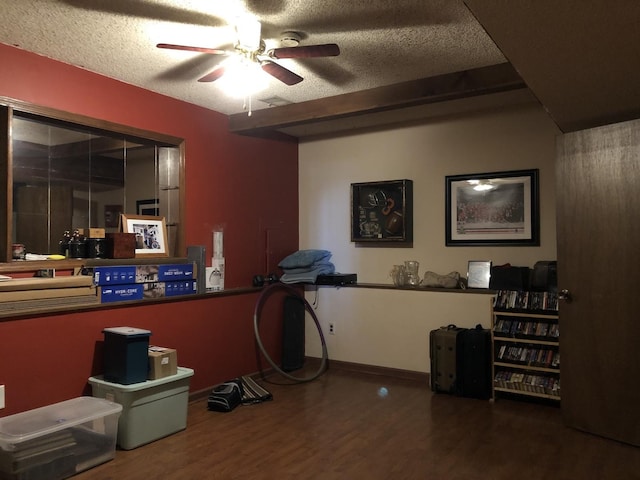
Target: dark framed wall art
(382,212)
(150,207)
(499,208)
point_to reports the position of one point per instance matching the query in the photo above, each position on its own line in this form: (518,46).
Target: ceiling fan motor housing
(290,39)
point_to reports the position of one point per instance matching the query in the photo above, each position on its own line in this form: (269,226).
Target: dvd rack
(525,334)
(526,300)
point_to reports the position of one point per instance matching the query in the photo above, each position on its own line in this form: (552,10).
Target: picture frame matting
(492,209)
(151,234)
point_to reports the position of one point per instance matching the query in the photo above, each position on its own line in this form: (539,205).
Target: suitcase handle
(451,326)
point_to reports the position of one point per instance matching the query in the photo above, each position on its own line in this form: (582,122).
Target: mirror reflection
(68,177)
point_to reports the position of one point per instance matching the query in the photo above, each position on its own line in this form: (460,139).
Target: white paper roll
(218,251)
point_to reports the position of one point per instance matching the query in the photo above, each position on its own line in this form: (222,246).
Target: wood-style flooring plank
(339,427)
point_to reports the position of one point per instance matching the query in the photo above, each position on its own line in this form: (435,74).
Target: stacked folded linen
(304,266)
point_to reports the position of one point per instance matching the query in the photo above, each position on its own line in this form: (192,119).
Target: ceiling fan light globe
(242,79)
(248,30)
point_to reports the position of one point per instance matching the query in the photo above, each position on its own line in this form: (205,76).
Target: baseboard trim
(334,365)
(378,370)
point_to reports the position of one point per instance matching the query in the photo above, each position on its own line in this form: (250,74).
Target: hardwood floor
(339,427)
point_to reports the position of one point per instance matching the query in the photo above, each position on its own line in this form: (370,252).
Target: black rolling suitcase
(443,355)
(473,375)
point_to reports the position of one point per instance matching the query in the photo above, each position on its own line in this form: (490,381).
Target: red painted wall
(246,186)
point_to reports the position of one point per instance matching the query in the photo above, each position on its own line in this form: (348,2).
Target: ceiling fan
(251,48)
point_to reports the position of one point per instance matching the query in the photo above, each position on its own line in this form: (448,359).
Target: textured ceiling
(579,57)
(382,42)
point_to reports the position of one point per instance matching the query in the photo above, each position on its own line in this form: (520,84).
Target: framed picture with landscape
(499,208)
(151,234)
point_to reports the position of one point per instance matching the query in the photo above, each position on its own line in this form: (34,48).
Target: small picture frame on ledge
(478,274)
(151,234)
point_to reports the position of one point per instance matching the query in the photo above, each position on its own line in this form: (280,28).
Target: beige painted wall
(390,327)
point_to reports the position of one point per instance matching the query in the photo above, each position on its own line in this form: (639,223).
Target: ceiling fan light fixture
(242,78)
(248,30)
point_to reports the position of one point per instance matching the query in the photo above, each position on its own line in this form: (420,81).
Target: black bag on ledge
(507,277)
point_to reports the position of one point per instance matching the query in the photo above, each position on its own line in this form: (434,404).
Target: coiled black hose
(266,292)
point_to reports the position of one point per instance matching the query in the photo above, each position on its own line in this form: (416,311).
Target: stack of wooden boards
(31,295)
(461,361)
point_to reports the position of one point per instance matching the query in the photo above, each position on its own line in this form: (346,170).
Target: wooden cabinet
(525,334)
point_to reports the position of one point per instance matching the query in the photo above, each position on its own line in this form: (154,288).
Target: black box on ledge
(337,279)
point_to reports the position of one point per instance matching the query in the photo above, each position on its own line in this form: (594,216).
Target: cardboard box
(92,232)
(121,245)
(163,362)
(125,274)
(121,293)
(40,283)
(143,291)
(115,275)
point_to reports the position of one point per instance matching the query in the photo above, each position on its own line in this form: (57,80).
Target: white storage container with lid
(59,440)
(151,409)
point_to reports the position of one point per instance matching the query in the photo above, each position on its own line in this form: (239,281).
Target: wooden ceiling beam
(451,86)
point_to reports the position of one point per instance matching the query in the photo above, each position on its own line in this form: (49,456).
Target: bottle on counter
(64,243)
(77,245)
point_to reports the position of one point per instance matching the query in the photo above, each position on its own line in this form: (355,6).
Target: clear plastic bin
(59,440)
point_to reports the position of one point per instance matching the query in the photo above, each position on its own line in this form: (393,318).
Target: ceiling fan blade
(308,51)
(212,51)
(278,71)
(214,75)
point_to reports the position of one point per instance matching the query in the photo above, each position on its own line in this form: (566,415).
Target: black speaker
(196,254)
(506,277)
(545,276)
(293,333)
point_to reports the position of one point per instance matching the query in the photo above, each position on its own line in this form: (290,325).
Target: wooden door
(598,226)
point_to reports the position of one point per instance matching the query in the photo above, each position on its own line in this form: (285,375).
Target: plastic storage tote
(59,440)
(150,410)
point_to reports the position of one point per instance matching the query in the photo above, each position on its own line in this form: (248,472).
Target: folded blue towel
(308,277)
(306,269)
(305,258)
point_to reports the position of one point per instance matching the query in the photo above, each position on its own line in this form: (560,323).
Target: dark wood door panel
(598,228)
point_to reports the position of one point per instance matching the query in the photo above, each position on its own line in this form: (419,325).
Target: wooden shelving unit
(525,337)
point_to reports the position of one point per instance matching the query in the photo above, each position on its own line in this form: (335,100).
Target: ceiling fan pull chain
(244,105)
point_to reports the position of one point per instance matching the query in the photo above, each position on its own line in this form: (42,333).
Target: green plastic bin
(150,410)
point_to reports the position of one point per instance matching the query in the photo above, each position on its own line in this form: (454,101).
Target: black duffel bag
(226,396)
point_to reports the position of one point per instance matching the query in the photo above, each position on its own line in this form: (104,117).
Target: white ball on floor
(383,392)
